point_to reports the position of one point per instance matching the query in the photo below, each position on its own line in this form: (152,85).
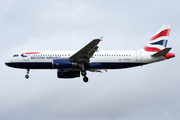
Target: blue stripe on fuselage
(48,65)
(31,65)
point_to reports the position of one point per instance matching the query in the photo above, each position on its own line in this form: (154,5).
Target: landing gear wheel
(83,73)
(85,79)
(26,76)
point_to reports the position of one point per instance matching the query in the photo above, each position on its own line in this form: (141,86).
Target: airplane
(71,64)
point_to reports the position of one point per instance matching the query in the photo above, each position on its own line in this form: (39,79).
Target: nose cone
(9,63)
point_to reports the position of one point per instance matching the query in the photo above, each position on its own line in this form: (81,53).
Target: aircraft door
(138,56)
(26,58)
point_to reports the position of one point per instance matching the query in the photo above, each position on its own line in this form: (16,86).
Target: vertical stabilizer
(159,41)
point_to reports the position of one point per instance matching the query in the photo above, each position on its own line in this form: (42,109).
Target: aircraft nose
(8,63)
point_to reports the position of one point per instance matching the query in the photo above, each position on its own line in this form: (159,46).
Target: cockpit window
(16,55)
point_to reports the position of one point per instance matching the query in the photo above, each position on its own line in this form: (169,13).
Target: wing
(86,52)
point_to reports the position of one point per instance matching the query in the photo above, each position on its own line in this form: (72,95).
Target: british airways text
(39,57)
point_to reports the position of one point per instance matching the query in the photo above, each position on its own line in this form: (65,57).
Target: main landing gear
(27,75)
(83,73)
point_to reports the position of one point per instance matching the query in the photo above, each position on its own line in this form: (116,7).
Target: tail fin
(159,41)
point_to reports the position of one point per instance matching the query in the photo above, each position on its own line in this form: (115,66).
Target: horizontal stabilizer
(162,52)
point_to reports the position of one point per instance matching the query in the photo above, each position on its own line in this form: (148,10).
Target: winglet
(101,38)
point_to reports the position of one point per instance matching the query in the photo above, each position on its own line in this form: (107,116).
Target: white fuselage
(109,59)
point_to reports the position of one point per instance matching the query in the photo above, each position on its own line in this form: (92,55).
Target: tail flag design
(159,41)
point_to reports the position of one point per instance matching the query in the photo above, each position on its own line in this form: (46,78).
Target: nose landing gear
(27,75)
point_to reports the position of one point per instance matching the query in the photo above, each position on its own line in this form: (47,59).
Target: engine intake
(63,63)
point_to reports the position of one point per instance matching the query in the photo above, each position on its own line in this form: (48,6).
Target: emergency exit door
(138,56)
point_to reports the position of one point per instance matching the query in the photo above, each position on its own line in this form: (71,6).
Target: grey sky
(150,92)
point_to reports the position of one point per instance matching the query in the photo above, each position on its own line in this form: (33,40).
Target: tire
(83,73)
(26,76)
(85,79)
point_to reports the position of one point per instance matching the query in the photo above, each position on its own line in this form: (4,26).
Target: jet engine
(63,63)
(68,74)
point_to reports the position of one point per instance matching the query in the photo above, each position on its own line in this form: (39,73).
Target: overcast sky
(149,92)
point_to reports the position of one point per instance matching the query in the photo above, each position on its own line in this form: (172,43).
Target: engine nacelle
(68,74)
(63,63)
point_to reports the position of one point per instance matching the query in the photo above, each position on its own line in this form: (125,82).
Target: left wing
(86,52)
